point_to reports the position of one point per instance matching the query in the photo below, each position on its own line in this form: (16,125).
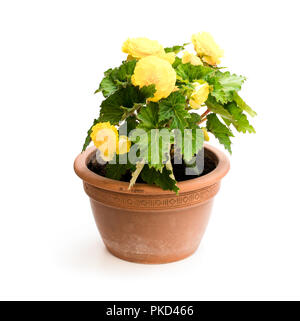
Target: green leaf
(131,95)
(229,82)
(160,142)
(224,85)
(243,105)
(155,142)
(241,122)
(148,116)
(124,72)
(162,180)
(193,120)
(148,91)
(221,131)
(173,109)
(191,73)
(154,146)
(217,108)
(117,171)
(116,78)
(177,62)
(88,137)
(222,96)
(107,86)
(176,49)
(112,108)
(130,111)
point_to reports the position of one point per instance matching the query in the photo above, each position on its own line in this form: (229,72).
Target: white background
(53,55)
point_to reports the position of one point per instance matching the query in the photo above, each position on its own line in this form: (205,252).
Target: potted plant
(150,177)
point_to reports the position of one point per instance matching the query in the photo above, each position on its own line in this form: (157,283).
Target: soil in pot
(178,169)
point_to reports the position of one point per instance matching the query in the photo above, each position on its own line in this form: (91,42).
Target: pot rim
(81,169)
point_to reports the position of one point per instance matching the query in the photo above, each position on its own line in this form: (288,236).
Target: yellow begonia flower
(123,146)
(206,137)
(105,138)
(191,58)
(199,95)
(143,47)
(154,70)
(206,48)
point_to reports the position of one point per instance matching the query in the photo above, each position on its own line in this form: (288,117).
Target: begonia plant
(157,93)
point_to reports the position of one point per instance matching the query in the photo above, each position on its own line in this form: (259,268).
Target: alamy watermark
(156,146)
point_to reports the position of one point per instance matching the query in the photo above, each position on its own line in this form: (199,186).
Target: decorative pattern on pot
(149,202)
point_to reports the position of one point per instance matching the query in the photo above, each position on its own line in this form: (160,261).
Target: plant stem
(205,113)
(203,117)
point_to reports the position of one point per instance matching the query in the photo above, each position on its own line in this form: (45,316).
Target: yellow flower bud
(206,137)
(124,145)
(170,57)
(154,70)
(206,48)
(199,95)
(191,58)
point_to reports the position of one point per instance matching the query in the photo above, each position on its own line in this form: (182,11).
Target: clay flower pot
(148,224)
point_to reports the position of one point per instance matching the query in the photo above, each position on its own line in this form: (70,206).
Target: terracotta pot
(147,224)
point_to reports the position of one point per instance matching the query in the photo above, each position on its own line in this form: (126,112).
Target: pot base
(150,259)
